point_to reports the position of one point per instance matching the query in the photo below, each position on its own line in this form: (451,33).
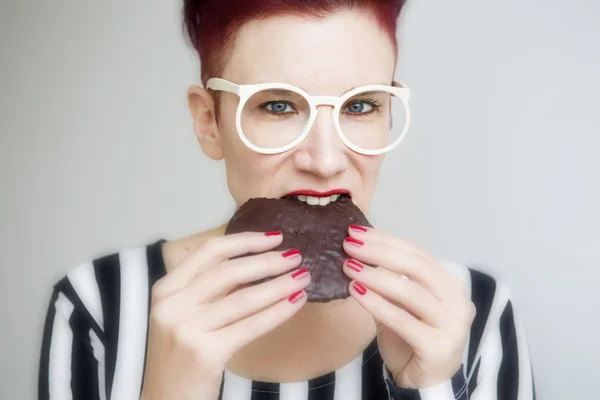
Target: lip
(314,193)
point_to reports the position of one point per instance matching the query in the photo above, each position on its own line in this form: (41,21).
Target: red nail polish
(296,296)
(301,273)
(359,288)
(358,228)
(290,253)
(354,242)
(274,233)
(355,265)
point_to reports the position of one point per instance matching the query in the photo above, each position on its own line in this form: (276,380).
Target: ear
(202,110)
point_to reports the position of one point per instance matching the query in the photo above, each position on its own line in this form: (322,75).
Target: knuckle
(158,290)
(462,286)
(408,287)
(457,282)
(209,274)
(400,320)
(409,243)
(471,310)
(159,315)
(402,265)
(418,249)
(252,325)
(237,301)
(211,242)
(236,271)
(230,274)
(232,303)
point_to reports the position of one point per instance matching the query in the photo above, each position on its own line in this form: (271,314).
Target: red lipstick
(314,193)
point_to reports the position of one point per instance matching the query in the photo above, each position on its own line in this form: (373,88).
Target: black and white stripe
(96,331)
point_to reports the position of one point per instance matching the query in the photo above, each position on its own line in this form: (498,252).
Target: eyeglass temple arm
(403,87)
(222,84)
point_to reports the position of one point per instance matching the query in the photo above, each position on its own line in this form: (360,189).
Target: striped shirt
(96,331)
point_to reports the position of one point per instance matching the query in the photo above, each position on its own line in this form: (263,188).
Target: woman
(179,319)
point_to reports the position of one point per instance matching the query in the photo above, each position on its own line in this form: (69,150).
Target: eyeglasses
(273,118)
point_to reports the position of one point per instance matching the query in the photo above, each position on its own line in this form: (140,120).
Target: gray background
(500,167)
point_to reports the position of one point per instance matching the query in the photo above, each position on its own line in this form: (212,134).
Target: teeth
(313,201)
(321,201)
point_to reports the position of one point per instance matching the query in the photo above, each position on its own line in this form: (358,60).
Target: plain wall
(500,167)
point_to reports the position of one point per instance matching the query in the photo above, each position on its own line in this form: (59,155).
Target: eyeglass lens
(274,118)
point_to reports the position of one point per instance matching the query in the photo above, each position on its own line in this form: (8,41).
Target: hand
(422,311)
(207,308)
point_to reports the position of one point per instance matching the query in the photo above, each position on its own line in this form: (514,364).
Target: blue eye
(278,107)
(360,107)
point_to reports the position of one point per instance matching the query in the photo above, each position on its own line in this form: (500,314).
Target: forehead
(322,56)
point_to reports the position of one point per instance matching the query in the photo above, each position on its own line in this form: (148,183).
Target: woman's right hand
(206,309)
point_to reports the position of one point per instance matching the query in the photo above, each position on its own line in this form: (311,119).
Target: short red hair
(212,25)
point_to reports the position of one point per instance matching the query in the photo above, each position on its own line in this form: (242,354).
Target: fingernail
(274,233)
(360,289)
(354,242)
(296,296)
(301,273)
(358,228)
(355,265)
(291,253)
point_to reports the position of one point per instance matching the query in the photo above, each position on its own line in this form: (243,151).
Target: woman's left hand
(422,311)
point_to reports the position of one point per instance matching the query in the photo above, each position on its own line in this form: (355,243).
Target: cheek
(250,174)
(369,167)
(228,131)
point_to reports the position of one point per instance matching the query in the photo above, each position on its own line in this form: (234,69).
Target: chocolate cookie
(317,231)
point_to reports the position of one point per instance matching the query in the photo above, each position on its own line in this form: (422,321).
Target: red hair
(212,25)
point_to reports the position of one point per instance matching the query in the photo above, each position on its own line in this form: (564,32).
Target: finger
(452,292)
(377,236)
(244,331)
(220,280)
(402,263)
(409,328)
(246,302)
(411,296)
(214,250)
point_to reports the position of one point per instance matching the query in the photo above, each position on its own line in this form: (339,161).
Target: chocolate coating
(317,231)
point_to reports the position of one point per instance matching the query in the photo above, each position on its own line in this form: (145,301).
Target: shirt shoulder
(96,287)
(481,287)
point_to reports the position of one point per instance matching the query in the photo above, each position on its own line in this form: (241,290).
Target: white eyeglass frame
(246,91)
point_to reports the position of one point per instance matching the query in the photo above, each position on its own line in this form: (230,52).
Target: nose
(322,153)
